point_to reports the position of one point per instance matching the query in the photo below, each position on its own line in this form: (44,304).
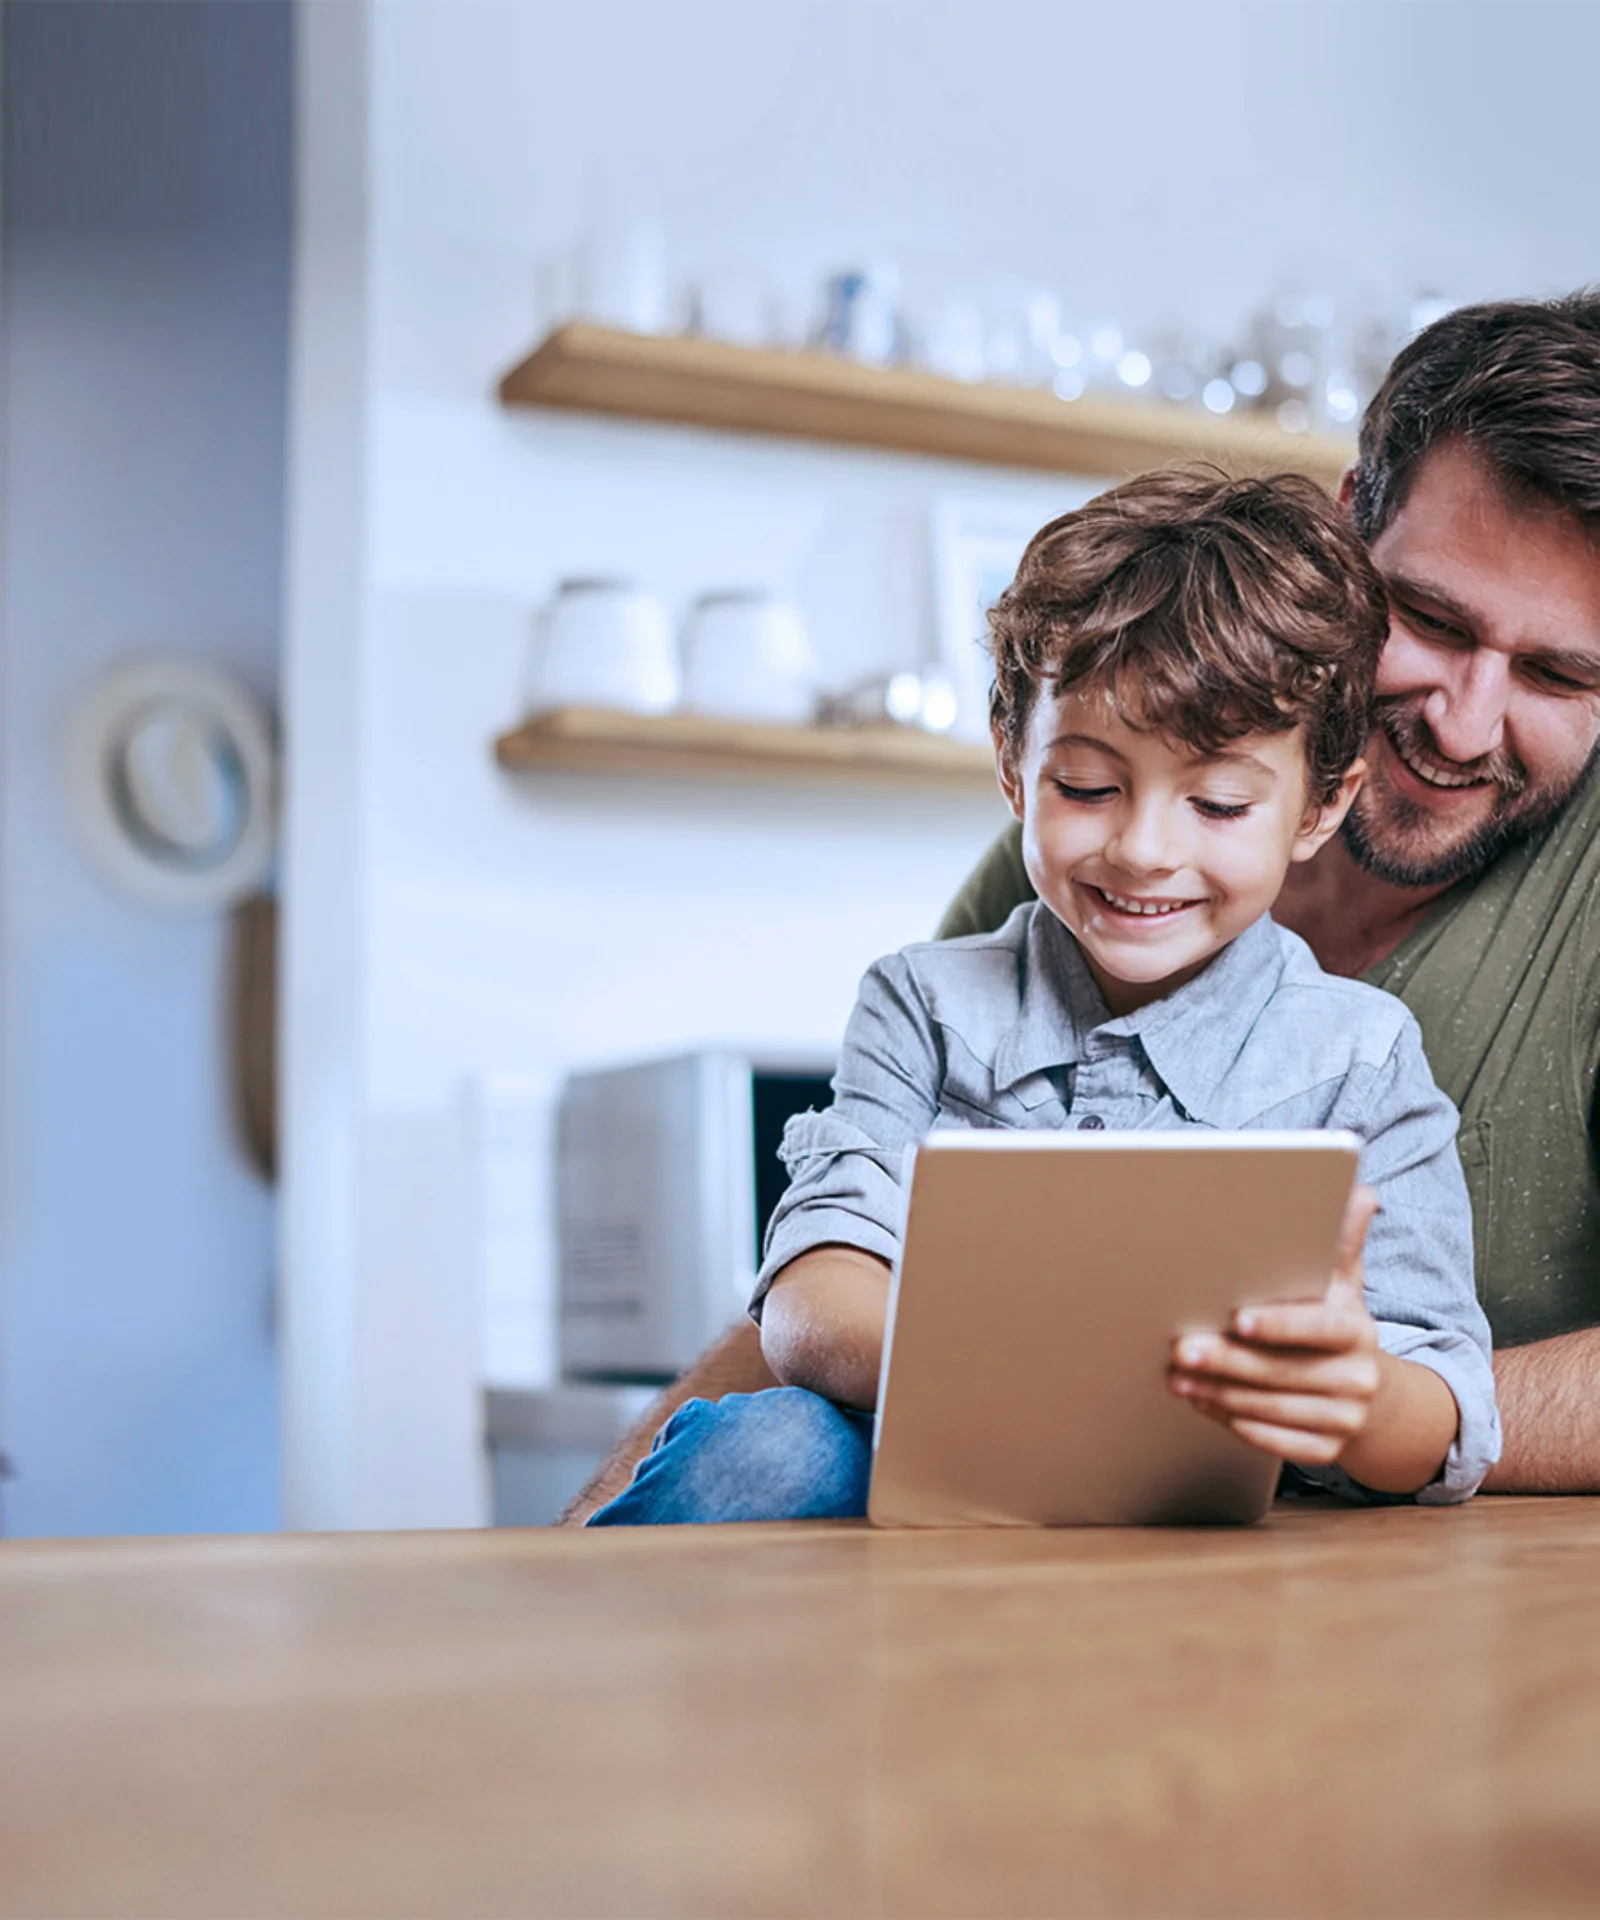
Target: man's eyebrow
(1581,662)
(1404,587)
(1578,662)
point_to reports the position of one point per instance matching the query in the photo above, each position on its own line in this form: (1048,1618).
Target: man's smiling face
(1488,692)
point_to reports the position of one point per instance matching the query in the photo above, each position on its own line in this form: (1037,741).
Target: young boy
(1182,676)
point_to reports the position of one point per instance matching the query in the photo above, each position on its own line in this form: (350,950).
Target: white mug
(604,643)
(746,656)
(623,273)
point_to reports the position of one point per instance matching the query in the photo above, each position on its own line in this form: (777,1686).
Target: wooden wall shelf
(814,396)
(695,746)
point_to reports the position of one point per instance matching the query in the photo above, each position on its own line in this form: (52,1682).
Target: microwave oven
(667,1173)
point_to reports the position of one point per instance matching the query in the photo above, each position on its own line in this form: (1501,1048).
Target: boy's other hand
(1296,1379)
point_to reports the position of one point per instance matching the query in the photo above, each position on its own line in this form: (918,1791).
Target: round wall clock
(173,775)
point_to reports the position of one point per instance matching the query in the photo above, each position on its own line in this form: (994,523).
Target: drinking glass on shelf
(733,302)
(861,314)
(1178,361)
(924,697)
(950,339)
(555,290)
(1104,344)
(1284,370)
(1022,328)
(1067,379)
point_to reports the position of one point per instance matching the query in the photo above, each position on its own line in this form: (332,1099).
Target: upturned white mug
(746,656)
(622,273)
(604,643)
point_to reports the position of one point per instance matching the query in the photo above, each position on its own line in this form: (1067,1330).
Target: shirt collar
(1191,1038)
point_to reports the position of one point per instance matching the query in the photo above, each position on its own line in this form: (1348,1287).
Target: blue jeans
(785,1454)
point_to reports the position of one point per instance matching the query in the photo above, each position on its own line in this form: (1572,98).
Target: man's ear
(1324,818)
(1347,491)
(1006,773)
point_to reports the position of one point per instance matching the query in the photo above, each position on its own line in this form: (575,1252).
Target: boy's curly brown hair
(1211,607)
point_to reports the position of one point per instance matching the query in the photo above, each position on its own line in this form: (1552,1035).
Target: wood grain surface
(1338,1712)
(699,746)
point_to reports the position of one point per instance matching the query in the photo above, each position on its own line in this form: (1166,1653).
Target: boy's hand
(1296,1380)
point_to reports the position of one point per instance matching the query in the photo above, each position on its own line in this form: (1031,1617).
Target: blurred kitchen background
(311,998)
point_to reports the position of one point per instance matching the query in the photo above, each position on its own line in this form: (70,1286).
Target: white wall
(144,349)
(1162,162)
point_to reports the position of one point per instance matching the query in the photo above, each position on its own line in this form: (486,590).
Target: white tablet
(1041,1281)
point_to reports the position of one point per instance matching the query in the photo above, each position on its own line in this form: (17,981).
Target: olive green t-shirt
(1503,977)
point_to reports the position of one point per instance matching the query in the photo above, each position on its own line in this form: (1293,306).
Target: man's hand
(1296,1379)
(732,1364)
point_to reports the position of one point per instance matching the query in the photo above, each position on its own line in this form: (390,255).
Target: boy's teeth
(1142,906)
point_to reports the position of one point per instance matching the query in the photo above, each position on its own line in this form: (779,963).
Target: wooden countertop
(1389,1712)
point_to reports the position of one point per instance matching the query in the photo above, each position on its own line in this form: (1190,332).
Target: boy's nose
(1141,842)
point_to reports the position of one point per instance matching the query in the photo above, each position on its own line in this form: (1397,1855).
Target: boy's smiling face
(1155,857)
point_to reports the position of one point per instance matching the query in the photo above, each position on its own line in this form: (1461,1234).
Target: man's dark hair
(1517,381)
(1211,607)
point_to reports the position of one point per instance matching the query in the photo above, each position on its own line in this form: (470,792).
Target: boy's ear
(1006,773)
(1347,490)
(1325,817)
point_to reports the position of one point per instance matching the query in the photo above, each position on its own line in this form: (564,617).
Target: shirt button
(1091,1123)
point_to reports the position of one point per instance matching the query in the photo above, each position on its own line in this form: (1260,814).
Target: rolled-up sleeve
(846,1166)
(1419,1255)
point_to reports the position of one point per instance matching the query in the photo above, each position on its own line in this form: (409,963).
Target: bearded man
(1467,877)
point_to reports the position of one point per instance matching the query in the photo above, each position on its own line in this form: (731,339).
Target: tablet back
(1031,1317)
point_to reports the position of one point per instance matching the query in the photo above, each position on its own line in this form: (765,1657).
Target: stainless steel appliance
(667,1173)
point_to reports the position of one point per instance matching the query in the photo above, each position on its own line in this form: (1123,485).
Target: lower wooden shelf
(696,746)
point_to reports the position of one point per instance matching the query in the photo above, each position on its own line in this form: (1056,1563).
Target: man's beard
(1521,808)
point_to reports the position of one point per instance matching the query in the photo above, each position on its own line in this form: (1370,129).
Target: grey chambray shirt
(1008,1029)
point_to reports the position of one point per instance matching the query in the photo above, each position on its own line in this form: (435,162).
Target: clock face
(172,774)
(179,787)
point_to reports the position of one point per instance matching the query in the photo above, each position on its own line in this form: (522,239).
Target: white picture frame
(977,542)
